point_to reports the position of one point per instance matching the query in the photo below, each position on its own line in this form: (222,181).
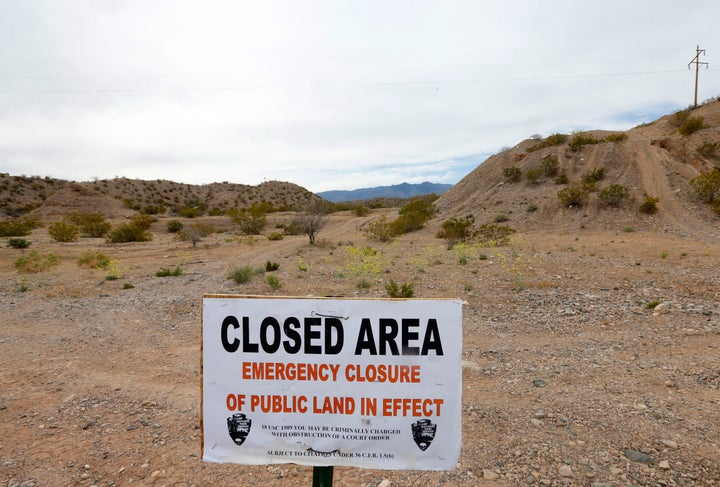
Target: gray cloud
(329,95)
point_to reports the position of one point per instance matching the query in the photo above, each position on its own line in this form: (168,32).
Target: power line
(697,62)
(331,84)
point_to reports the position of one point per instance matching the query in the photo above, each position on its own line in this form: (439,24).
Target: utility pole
(696,61)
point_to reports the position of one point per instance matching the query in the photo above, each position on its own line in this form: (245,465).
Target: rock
(539,383)
(670,444)
(385,483)
(490,474)
(664,465)
(639,457)
(566,471)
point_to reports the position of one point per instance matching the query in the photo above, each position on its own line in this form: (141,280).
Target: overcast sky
(334,94)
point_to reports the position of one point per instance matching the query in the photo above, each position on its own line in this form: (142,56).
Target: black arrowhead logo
(239,427)
(423,432)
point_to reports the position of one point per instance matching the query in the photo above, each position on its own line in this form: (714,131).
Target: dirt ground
(590,358)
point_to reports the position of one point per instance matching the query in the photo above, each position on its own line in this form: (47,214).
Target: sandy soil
(570,377)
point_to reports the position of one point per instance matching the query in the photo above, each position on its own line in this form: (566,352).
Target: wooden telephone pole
(696,61)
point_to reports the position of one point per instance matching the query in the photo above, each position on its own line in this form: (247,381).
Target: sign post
(322,477)
(325,382)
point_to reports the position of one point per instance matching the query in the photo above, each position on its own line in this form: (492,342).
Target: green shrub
(275,236)
(293,228)
(167,272)
(707,186)
(64,232)
(34,262)
(142,221)
(649,206)
(241,275)
(18,243)
(94,260)
(361,211)
(14,228)
(708,150)
(128,285)
(562,179)
(456,230)
(174,226)
(616,137)
(573,195)
(271,266)
(251,221)
(189,212)
(493,235)
(364,284)
(512,174)
(679,118)
(581,139)
(691,125)
(273,281)
(551,166)
(593,176)
(500,218)
(402,291)
(153,210)
(531,208)
(91,225)
(653,304)
(128,232)
(549,141)
(413,215)
(379,230)
(614,195)
(533,174)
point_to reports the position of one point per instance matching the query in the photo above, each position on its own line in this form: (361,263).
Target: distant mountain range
(404,190)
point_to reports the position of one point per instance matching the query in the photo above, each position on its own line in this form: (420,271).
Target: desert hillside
(653,160)
(117,197)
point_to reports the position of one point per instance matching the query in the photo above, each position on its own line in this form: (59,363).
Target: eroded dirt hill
(653,160)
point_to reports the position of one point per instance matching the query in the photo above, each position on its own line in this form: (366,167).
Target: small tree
(313,220)
(196,231)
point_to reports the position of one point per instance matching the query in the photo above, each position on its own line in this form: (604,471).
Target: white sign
(363,383)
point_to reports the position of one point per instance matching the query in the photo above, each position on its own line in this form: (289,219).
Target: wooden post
(322,476)
(696,61)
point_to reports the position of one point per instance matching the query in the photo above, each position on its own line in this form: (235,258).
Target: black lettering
(310,335)
(330,325)
(408,336)
(227,323)
(432,338)
(366,340)
(247,346)
(388,334)
(266,324)
(293,342)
